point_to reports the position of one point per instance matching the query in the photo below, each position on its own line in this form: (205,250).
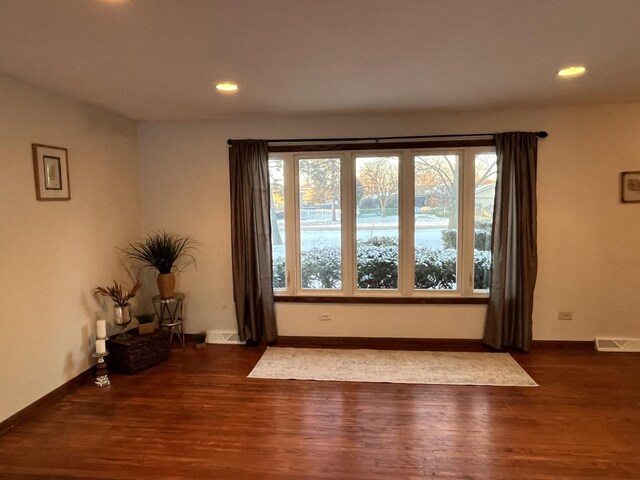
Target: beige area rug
(392,366)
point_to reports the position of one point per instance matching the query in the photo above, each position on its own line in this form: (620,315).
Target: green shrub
(449,238)
(279,273)
(482,270)
(321,268)
(436,211)
(369,203)
(483,225)
(369,212)
(435,269)
(482,239)
(380,242)
(378,267)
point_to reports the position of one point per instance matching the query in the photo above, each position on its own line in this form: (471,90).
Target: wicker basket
(138,352)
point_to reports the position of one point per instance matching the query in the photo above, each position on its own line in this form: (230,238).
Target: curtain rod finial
(542,134)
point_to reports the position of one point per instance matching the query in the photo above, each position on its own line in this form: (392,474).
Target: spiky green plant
(117,293)
(163,251)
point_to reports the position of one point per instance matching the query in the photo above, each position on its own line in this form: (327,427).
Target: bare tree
(441,171)
(379,178)
(323,177)
(486,167)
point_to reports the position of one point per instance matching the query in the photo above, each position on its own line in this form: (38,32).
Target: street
(330,236)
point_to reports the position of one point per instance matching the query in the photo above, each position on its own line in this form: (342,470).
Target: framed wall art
(630,187)
(51,170)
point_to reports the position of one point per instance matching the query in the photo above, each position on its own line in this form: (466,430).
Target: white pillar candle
(101,329)
(101,346)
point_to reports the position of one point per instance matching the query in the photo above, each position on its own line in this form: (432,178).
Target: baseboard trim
(381,342)
(416,343)
(49,399)
(582,344)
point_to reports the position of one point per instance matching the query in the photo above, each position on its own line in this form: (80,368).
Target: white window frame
(406,223)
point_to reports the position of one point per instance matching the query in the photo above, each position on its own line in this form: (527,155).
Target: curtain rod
(541,134)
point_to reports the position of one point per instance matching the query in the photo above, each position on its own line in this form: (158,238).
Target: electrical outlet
(325,317)
(565,315)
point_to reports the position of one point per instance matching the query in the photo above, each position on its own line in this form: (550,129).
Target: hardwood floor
(198,416)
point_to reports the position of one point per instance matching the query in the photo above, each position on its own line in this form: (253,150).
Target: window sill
(383,300)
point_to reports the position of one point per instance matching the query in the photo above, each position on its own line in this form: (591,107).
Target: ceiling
(159,59)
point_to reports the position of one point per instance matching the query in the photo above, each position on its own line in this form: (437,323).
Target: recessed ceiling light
(227,87)
(571,72)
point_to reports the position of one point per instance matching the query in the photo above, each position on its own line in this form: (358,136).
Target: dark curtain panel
(251,241)
(514,263)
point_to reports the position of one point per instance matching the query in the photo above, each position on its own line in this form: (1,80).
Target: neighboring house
(484,199)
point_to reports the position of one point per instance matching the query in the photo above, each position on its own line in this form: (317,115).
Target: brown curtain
(251,241)
(514,263)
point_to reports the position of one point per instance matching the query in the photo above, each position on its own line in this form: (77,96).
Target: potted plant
(145,323)
(166,253)
(122,307)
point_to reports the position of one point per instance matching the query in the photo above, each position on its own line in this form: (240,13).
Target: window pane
(436,221)
(276,180)
(377,222)
(320,223)
(485,190)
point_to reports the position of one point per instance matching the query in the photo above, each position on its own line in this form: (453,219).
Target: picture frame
(51,172)
(630,187)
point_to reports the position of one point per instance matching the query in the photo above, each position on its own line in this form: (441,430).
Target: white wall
(589,248)
(52,254)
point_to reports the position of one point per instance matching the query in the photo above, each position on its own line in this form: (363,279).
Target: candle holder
(102,375)
(122,319)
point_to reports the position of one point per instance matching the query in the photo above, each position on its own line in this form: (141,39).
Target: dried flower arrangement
(117,293)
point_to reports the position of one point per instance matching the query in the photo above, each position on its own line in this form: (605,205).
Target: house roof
(158,60)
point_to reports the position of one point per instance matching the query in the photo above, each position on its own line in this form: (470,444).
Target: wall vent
(617,344)
(223,336)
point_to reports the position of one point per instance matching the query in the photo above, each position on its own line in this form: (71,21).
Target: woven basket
(138,352)
(166,284)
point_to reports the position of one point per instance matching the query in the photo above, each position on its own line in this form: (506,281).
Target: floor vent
(617,344)
(222,336)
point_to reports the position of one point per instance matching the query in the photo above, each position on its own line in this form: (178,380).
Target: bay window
(382,223)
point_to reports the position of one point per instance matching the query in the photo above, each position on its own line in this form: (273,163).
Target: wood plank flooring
(197,416)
